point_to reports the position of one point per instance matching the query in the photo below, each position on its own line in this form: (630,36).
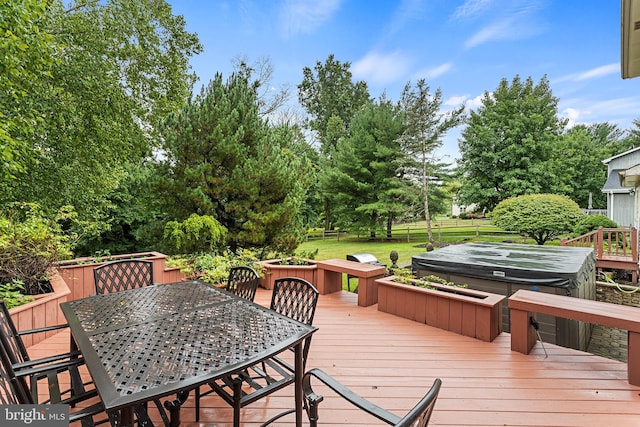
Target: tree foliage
(592,222)
(578,157)
(507,147)
(118,66)
(223,160)
(328,91)
(195,234)
(366,183)
(541,217)
(425,126)
(27,50)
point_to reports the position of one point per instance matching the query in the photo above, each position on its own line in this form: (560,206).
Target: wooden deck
(393,361)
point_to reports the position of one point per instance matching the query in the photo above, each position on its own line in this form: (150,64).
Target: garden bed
(464,311)
(278,268)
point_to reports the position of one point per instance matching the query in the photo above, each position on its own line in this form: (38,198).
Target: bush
(541,217)
(592,222)
(214,268)
(30,244)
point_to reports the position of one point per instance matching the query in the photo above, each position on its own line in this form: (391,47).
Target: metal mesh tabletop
(137,305)
(154,341)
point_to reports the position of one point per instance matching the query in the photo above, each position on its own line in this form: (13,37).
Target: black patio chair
(123,274)
(418,416)
(15,391)
(20,378)
(292,297)
(11,340)
(243,281)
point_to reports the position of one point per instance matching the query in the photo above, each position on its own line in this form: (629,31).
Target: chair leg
(197,404)
(237,395)
(312,412)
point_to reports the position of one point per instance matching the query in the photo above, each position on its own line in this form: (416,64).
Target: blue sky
(463,47)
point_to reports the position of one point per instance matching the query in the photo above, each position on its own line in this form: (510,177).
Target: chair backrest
(9,337)
(124,274)
(13,390)
(243,281)
(420,415)
(295,298)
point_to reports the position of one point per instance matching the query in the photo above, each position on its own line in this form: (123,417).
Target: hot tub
(503,268)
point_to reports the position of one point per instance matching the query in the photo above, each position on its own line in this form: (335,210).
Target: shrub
(30,244)
(541,217)
(296,258)
(214,268)
(11,294)
(593,222)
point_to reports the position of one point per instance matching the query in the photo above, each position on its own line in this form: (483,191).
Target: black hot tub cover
(556,266)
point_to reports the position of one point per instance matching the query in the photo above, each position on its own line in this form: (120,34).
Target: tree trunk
(425,192)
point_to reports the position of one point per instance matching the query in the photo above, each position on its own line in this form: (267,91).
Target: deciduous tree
(425,126)
(118,66)
(507,146)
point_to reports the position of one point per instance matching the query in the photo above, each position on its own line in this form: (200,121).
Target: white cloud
(455,101)
(599,72)
(574,116)
(497,31)
(511,20)
(472,8)
(469,103)
(621,111)
(380,68)
(432,73)
(303,16)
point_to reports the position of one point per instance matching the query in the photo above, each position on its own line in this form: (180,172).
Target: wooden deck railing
(615,248)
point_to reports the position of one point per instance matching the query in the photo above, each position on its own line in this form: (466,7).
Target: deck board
(393,361)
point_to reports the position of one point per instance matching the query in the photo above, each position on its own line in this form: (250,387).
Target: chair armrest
(344,392)
(40,366)
(43,329)
(75,356)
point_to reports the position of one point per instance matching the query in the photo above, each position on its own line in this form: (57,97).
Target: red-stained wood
(392,361)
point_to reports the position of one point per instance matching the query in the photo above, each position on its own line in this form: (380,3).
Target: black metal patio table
(162,340)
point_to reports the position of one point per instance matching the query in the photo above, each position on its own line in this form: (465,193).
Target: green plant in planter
(214,268)
(11,294)
(297,258)
(30,245)
(407,277)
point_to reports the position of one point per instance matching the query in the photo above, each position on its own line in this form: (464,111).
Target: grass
(450,231)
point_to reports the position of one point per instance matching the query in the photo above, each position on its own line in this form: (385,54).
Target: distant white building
(457,209)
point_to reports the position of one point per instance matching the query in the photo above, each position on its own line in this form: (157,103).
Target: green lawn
(444,231)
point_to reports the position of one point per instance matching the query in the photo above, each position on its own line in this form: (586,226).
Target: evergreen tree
(366,179)
(223,160)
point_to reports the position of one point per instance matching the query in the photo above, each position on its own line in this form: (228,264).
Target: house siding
(621,205)
(625,162)
(620,209)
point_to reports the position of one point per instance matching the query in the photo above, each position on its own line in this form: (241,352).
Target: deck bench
(330,278)
(523,304)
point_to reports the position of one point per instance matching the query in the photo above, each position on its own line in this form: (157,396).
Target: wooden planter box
(44,311)
(274,270)
(72,280)
(464,311)
(78,272)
